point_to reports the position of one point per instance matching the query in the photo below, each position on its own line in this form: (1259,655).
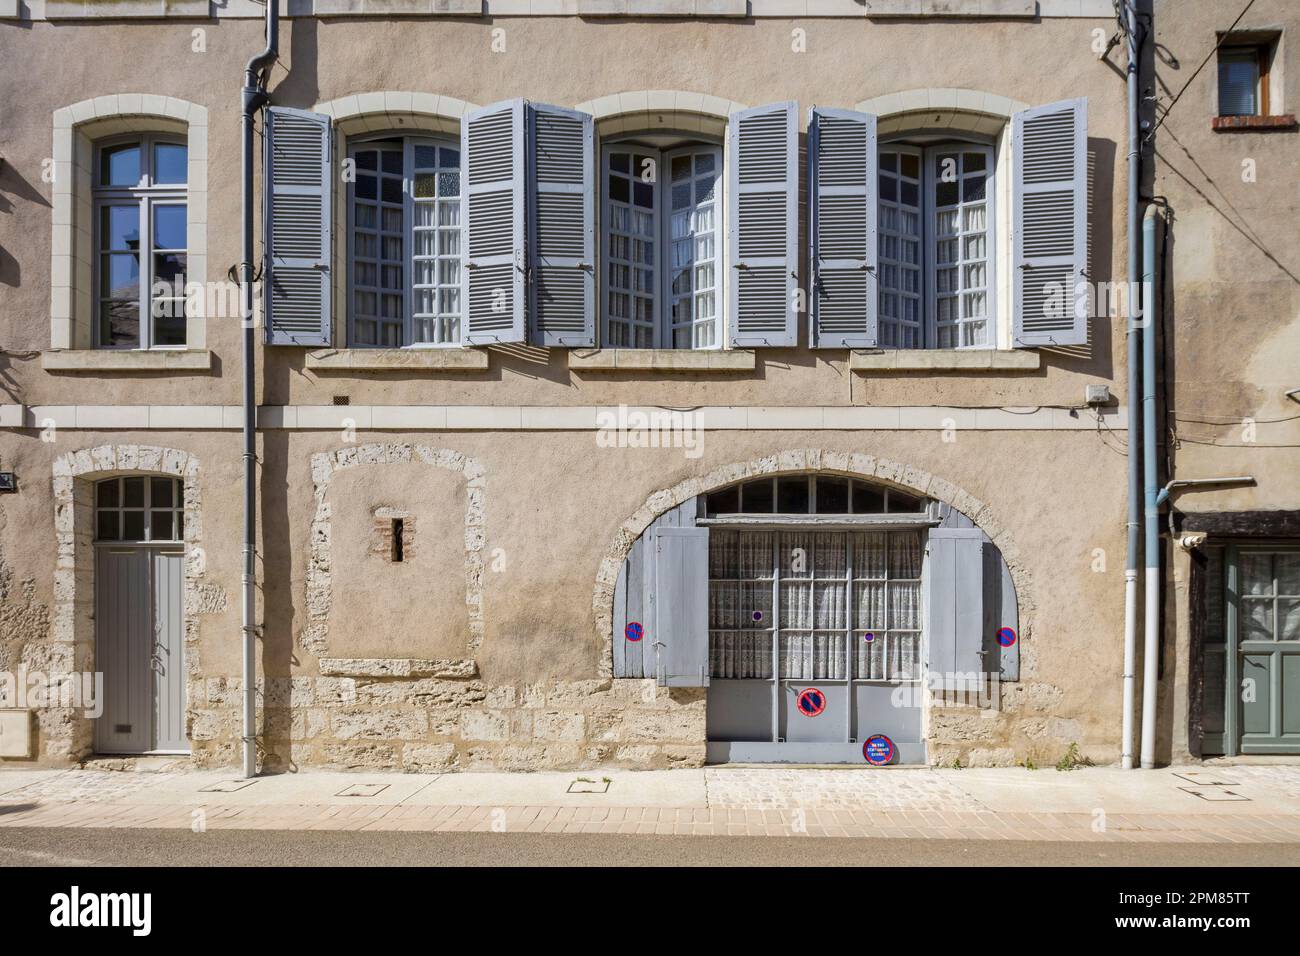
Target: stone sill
(398,360)
(946,360)
(662,8)
(395,667)
(662,360)
(126,360)
(1253,124)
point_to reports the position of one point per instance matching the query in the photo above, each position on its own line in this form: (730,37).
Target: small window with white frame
(404,243)
(140,192)
(661,238)
(936,240)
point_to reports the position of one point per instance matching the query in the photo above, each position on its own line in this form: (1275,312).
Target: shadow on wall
(279,658)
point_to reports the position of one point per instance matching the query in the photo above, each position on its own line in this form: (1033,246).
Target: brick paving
(740,802)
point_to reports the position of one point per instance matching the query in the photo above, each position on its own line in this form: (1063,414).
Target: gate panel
(168,658)
(123,637)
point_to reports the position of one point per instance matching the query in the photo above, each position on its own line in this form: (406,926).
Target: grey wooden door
(1263,680)
(139,649)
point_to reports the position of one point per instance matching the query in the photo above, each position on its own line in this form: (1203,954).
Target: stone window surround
(72,641)
(320,588)
(77,129)
(802,461)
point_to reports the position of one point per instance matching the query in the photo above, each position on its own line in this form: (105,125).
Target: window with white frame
(404,237)
(140,508)
(140,211)
(936,237)
(662,245)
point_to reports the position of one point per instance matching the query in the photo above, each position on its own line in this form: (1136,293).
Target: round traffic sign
(1006,636)
(811,702)
(633,632)
(878,750)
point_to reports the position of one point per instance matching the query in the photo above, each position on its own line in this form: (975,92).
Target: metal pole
(1132,387)
(253,98)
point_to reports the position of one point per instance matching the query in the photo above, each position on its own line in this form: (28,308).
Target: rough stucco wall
(1232,302)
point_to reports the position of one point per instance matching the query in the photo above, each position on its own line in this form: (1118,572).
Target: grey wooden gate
(139,648)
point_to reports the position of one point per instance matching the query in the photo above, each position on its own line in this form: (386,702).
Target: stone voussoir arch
(869,467)
(324,465)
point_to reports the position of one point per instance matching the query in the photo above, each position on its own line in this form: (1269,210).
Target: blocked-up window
(404,231)
(140,243)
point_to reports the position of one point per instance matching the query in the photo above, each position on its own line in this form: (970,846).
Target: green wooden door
(1263,652)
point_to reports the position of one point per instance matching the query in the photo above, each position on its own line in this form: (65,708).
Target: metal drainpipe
(1151,492)
(1134,451)
(253,98)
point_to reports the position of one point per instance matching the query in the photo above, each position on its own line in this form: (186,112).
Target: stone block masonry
(427,724)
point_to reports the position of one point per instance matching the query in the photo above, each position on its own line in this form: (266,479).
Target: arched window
(791,495)
(661,198)
(140,508)
(141,242)
(404,228)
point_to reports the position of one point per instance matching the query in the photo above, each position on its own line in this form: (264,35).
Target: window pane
(726,501)
(1238,83)
(832,495)
(170,163)
(119,323)
(792,495)
(756,497)
(133,492)
(160,526)
(106,526)
(867,499)
(169,227)
(106,494)
(120,165)
(119,228)
(132,525)
(120,276)
(160,493)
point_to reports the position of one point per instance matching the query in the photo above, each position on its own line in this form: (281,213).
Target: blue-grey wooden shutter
(958,634)
(296,216)
(679,606)
(763,214)
(562,243)
(1050,224)
(843,291)
(493,292)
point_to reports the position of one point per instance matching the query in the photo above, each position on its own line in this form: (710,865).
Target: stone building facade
(449,540)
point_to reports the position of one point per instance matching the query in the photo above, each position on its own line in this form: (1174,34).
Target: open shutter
(960,637)
(1050,203)
(297,220)
(763,211)
(492,151)
(562,244)
(842,223)
(679,606)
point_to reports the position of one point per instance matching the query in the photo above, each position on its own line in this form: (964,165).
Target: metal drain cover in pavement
(227,786)
(1214,795)
(589,786)
(361,790)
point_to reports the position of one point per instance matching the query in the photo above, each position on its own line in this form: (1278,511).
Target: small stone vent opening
(393,538)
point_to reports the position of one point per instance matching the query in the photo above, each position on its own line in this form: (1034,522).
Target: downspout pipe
(1151,495)
(1131,389)
(253,97)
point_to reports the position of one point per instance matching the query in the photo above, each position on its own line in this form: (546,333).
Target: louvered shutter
(1050,203)
(842,205)
(296,215)
(561,180)
(492,151)
(763,215)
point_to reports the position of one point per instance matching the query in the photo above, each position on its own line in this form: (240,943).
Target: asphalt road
(38,846)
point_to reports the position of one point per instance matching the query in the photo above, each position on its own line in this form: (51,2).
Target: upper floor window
(662,243)
(935,238)
(404,232)
(1244,78)
(140,214)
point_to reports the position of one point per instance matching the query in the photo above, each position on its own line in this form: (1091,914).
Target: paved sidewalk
(1206,804)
